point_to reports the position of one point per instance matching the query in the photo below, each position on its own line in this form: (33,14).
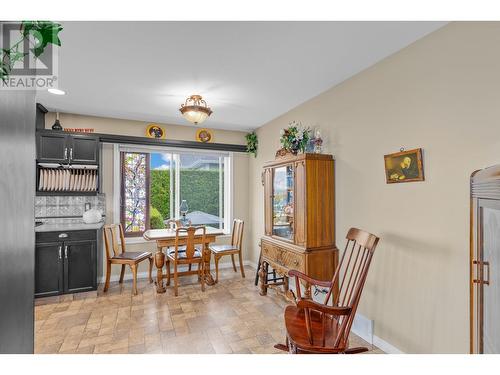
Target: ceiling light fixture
(195,109)
(57,91)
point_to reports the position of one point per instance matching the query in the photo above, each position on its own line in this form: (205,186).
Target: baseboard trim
(144,275)
(385,346)
(363,327)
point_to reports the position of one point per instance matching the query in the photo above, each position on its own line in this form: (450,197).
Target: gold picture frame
(404,166)
(155,131)
(204,136)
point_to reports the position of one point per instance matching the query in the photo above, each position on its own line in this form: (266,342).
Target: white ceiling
(248,72)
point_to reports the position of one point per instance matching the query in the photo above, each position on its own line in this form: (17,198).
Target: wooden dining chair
(191,252)
(324,328)
(116,254)
(234,248)
(177,223)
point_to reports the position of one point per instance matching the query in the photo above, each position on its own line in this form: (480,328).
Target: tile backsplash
(67,206)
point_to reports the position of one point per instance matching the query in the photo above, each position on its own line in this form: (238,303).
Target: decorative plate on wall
(155,131)
(204,135)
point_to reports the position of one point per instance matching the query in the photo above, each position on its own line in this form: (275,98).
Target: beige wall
(137,128)
(442,94)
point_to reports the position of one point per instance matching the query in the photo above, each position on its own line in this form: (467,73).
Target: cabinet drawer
(283,257)
(66,236)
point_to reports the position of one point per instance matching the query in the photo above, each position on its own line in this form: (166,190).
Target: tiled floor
(230,317)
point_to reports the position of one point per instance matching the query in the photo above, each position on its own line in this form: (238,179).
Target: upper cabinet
(299,200)
(58,147)
(83,149)
(52,147)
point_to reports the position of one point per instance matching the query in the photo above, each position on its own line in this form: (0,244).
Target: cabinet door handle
(71,153)
(487,281)
(482,264)
(65,153)
(66,251)
(60,252)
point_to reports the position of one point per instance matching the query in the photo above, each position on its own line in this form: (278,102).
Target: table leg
(209,280)
(263,277)
(159,262)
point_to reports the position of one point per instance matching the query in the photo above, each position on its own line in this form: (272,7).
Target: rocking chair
(324,328)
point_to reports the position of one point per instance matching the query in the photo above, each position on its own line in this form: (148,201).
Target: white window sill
(139,240)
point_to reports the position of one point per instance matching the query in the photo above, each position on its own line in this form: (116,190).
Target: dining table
(166,237)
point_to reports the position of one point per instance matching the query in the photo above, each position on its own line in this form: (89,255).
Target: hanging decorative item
(252,143)
(293,139)
(195,109)
(204,135)
(155,131)
(404,166)
(57,123)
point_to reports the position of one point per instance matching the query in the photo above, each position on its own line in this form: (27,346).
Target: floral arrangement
(294,138)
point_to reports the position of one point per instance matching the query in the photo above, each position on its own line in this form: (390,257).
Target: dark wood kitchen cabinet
(84,149)
(60,147)
(79,266)
(66,262)
(48,269)
(52,147)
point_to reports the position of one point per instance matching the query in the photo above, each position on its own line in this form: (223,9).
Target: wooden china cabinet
(485,261)
(299,217)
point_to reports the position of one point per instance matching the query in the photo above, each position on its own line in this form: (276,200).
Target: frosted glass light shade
(195,115)
(195,109)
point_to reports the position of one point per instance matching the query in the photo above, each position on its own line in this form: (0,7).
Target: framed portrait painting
(404,166)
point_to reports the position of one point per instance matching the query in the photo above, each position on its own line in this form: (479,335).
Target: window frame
(226,199)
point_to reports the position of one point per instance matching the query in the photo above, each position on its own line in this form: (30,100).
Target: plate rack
(67,179)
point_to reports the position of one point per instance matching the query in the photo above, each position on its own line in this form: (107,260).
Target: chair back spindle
(237,235)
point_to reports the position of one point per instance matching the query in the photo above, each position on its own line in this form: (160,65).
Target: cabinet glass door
(283,203)
(490,288)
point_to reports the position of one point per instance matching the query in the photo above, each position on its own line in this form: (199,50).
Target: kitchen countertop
(67,226)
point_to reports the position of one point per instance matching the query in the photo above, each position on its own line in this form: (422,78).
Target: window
(154,182)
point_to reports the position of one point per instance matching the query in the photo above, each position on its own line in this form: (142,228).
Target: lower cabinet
(79,266)
(48,269)
(65,266)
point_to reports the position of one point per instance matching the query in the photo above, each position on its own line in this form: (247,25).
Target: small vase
(294,148)
(318,149)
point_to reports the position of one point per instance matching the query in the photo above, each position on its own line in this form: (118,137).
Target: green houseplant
(252,143)
(42,32)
